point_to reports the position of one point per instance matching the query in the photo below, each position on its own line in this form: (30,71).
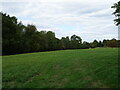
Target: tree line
(18,38)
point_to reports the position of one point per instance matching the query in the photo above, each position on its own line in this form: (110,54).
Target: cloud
(90,19)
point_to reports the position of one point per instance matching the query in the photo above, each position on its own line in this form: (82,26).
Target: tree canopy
(18,38)
(116,6)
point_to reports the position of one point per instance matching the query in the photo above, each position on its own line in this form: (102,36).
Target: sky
(89,19)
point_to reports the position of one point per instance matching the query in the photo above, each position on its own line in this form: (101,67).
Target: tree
(18,38)
(65,43)
(112,43)
(94,44)
(105,43)
(116,6)
(43,41)
(52,42)
(29,40)
(75,41)
(100,44)
(85,45)
(11,34)
(76,38)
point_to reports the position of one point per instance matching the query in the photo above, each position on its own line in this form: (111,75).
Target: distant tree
(52,41)
(30,43)
(77,38)
(58,45)
(116,6)
(94,44)
(43,41)
(105,43)
(85,45)
(63,43)
(67,42)
(30,29)
(75,41)
(112,43)
(100,44)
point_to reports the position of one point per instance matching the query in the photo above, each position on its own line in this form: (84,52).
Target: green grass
(85,68)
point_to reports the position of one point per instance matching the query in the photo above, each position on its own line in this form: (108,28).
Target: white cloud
(90,19)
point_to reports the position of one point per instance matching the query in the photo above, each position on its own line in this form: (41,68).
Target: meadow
(80,68)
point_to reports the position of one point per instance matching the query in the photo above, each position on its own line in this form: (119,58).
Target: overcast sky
(89,19)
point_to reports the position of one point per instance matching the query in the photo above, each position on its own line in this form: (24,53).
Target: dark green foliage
(100,44)
(95,43)
(116,6)
(85,45)
(18,38)
(52,41)
(105,43)
(75,42)
(112,43)
(11,34)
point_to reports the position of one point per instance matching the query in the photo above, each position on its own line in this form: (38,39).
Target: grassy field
(85,68)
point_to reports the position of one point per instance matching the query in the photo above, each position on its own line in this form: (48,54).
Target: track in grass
(81,68)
